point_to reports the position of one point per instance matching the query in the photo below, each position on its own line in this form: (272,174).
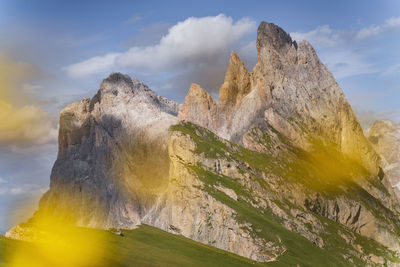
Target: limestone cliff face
(278,168)
(290,90)
(108,146)
(385,138)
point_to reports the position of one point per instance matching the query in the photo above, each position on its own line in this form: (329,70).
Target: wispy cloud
(390,24)
(93,65)
(133,19)
(326,36)
(347,63)
(392,70)
(342,50)
(321,36)
(22,189)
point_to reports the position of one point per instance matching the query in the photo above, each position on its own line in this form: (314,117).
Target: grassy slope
(149,246)
(264,223)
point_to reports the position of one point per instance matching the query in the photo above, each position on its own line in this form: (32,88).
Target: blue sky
(56,52)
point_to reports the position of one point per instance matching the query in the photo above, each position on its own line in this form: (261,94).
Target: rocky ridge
(291,90)
(278,168)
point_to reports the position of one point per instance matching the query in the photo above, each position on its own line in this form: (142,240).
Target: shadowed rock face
(269,34)
(283,151)
(108,147)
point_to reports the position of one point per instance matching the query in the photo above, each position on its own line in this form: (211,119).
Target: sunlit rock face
(385,138)
(279,167)
(290,90)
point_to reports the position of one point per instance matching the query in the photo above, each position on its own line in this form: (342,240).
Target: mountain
(385,138)
(277,171)
(290,90)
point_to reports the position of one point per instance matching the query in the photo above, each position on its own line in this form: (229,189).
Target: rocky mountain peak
(237,82)
(116,83)
(291,91)
(118,88)
(196,92)
(198,101)
(117,77)
(269,34)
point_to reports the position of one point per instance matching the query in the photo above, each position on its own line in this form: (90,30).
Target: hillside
(278,171)
(149,246)
(144,246)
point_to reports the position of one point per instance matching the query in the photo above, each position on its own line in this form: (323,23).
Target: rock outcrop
(291,90)
(108,147)
(385,138)
(278,169)
(199,101)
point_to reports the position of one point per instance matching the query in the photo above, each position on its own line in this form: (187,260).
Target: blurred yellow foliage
(52,242)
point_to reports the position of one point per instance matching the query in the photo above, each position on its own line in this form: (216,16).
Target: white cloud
(322,35)
(325,36)
(393,70)
(188,41)
(193,41)
(346,63)
(2,180)
(368,32)
(92,65)
(392,23)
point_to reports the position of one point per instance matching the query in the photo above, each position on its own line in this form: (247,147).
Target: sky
(53,53)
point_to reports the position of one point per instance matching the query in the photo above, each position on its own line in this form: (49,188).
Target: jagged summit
(236,84)
(271,34)
(118,86)
(289,90)
(117,77)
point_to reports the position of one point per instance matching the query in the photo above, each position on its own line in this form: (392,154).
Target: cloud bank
(192,41)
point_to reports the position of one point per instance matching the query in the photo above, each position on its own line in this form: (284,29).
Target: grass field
(144,246)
